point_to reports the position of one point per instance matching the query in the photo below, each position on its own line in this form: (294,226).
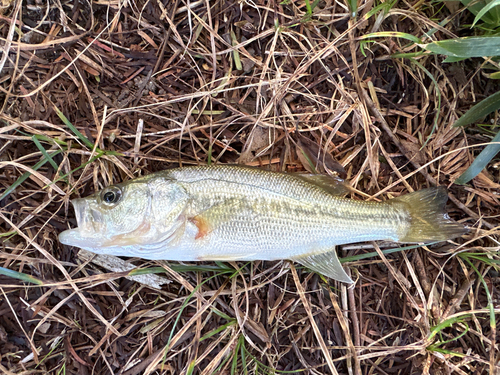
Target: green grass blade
(308,8)
(495,75)
(221,314)
(207,112)
(190,368)
(481,109)
(236,54)
(452,59)
(181,268)
(474,6)
(483,257)
(45,153)
(68,123)
(56,343)
(466,47)
(445,324)
(184,304)
(353,7)
(481,161)
(200,268)
(266,369)
(391,34)
(446,351)
(483,11)
(62,370)
(438,93)
(222,364)
(491,306)
(209,158)
(91,160)
(243,357)
(26,175)
(146,271)
(384,7)
(178,318)
(455,338)
(308,159)
(42,137)
(375,254)
(8,234)
(20,276)
(218,329)
(234,364)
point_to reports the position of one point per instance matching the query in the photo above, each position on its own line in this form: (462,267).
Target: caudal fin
(429,221)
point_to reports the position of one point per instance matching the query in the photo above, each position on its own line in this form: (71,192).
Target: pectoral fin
(327,264)
(210,219)
(202,225)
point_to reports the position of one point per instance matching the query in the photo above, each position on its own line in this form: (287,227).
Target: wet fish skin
(241,213)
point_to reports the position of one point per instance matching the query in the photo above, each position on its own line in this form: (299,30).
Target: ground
(103,92)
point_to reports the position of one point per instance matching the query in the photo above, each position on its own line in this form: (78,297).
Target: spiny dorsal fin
(333,185)
(327,264)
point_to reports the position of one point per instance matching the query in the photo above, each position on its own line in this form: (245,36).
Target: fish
(237,213)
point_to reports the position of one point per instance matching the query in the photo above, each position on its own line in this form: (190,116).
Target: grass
(394,98)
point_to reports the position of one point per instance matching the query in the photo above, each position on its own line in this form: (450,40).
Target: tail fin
(429,222)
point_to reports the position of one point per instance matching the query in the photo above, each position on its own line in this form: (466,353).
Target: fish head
(125,216)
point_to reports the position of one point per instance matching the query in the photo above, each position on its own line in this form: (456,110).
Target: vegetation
(392,96)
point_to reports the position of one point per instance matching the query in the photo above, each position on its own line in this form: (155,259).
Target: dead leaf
(315,159)
(413,152)
(257,140)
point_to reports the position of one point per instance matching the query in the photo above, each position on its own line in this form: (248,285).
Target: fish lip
(70,237)
(80,207)
(84,235)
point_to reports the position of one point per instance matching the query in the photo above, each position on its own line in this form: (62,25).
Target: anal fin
(327,264)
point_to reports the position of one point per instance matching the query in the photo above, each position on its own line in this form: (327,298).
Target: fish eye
(111,195)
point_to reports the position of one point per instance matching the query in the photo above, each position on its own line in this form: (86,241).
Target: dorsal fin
(333,185)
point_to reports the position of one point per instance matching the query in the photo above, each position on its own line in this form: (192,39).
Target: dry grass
(151,85)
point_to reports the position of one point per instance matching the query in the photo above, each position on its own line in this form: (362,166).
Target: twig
(315,328)
(417,166)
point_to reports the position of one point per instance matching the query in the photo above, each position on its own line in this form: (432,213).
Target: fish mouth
(89,222)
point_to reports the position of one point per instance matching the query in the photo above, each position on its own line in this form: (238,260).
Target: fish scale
(241,213)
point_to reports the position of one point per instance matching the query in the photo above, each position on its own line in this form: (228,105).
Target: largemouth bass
(233,213)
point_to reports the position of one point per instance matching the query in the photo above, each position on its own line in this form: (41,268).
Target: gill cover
(128,215)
